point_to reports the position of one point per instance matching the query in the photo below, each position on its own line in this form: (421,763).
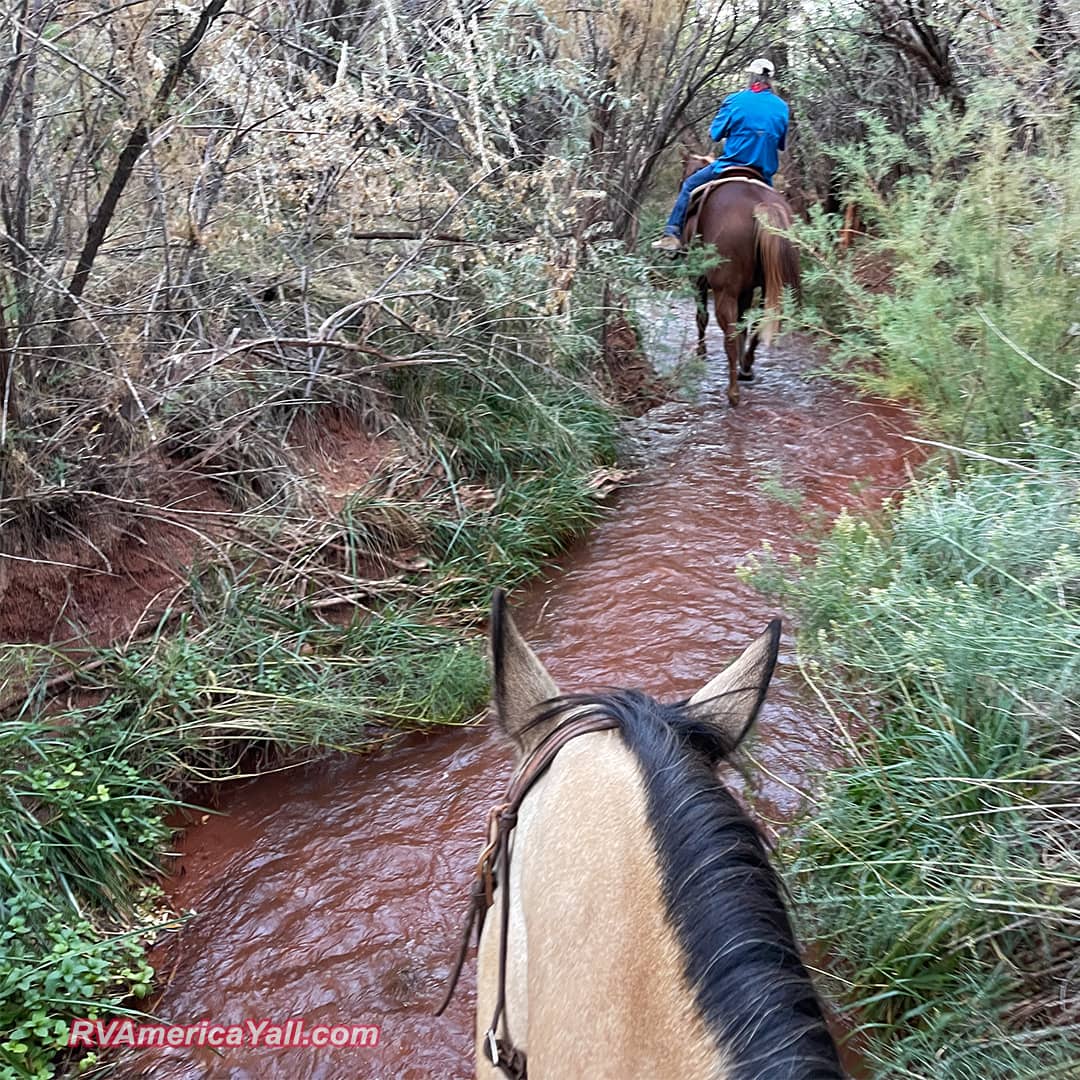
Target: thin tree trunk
(17,211)
(9,405)
(133,149)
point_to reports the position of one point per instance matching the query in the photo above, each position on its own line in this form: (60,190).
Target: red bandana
(758,87)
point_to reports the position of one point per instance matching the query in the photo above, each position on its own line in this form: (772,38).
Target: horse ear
(732,700)
(520,682)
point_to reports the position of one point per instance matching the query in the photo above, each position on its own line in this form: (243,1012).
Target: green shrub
(941,868)
(977,322)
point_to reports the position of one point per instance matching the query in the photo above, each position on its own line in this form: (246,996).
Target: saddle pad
(697,200)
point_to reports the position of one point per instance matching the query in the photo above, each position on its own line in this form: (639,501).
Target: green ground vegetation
(940,868)
(253,674)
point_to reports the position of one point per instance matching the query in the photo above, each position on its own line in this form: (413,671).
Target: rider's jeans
(675,223)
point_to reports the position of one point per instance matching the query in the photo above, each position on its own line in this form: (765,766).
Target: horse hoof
(733,398)
(746,376)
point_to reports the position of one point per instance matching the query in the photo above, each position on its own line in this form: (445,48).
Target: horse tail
(779,262)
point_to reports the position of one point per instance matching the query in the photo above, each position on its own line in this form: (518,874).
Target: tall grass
(497,478)
(940,868)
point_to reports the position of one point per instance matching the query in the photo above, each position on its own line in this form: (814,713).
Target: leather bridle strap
(493,867)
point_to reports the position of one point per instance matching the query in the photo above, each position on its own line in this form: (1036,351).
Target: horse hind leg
(727,313)
(748,342)
(702,316)
(746,371)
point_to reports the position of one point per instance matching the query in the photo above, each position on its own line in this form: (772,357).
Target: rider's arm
(722,123)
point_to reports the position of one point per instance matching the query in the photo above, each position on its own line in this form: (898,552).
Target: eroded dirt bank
(127,561)
(334,892)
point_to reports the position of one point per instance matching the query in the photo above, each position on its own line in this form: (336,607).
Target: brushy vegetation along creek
(250,673)
(223,223)
(941,868)
(377,225)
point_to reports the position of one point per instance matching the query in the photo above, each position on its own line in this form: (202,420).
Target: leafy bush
(941,869)
(977,321)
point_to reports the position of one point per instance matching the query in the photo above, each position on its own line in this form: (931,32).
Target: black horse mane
(723,897)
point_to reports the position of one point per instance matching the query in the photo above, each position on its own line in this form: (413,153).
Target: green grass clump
(502,421)
(511,541)
(941,868)
(532,439)
(496,478)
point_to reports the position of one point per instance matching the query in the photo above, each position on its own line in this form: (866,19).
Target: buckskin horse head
(743,220)
(634,926)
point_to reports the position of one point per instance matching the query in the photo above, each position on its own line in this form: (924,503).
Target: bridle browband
(493,868)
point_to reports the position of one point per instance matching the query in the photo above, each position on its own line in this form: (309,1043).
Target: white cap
(761,66)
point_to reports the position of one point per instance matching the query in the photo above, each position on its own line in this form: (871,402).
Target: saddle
(744,173)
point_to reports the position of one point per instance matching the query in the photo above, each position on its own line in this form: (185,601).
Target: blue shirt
(754,126)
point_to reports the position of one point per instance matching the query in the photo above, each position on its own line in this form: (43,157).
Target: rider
(754,123)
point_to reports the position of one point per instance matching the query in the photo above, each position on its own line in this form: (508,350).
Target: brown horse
(740,218)
(635,927)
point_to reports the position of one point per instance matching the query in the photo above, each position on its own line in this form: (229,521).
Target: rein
(493,868)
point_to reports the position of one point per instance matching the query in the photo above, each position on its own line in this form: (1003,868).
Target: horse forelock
(723,899)
(682,721)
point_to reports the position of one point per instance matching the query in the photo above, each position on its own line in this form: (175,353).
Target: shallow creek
(334,892)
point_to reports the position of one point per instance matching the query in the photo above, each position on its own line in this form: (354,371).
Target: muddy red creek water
(335,892)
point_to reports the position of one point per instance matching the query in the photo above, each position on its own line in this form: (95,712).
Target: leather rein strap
(493,868)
